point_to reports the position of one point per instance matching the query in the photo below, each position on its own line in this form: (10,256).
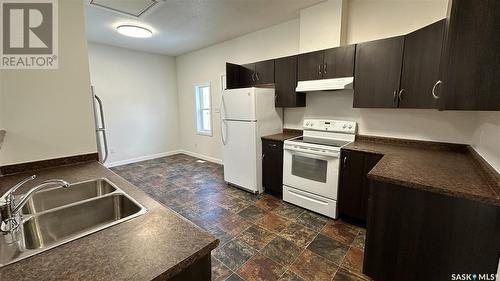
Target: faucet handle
(9,194)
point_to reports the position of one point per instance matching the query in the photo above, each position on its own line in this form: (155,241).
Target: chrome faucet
(10,217)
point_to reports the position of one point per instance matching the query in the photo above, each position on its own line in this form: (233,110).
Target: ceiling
(181,26)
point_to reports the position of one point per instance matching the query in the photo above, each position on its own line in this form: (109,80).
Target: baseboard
(142,158)
(163,154)
(201,156)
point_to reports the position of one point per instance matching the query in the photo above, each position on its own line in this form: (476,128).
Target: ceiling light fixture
(134,31)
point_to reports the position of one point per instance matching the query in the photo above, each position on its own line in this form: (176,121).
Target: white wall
(486,140)
(139,93)
(48,113)
(206,65)
(321,26)
(371,20)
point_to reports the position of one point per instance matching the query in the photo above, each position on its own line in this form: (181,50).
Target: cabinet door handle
(400,95)
(319,69)
(253,79)
(272,145)
(434,89)
(345,161)
(325,68)
(257,76)
(394,95)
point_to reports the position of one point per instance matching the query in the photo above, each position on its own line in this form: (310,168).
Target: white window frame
(199,111)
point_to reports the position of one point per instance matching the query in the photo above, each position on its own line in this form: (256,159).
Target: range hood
(325,84)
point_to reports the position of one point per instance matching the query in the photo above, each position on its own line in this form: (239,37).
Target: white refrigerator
(247,114)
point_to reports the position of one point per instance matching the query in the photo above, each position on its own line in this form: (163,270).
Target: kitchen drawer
(315,203)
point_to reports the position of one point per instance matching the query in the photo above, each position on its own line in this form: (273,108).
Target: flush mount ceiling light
(134,31)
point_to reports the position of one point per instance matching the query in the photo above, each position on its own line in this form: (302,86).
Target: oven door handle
(308,153)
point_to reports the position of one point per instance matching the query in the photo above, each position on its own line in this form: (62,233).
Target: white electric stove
(311,164)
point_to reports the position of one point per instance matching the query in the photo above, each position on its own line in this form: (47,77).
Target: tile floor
(261,237)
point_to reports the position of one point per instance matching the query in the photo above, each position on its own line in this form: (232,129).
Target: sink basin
(55,197)
(60,215)
(64,223)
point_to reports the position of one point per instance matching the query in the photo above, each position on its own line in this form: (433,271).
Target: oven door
(311,170)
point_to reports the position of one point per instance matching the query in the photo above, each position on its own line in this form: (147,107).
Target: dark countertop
(287,134)
(2,136)
(158,244)
(449,169)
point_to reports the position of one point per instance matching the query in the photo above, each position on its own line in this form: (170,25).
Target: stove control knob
(350,126)
(307,124)
(344,126)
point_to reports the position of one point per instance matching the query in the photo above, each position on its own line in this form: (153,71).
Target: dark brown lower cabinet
(272,167)
(354,185)
(200,270)
(419,235)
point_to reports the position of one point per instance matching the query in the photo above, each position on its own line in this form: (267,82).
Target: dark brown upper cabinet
(264,72)
(310,66)
(378,72)
(339,62)
(422,55)
(247,75)
(325,64)
(471,57)
(399,71)
(258,73)
(232,76)
(285,82)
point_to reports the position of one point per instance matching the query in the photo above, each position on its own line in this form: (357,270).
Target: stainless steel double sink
(59,215)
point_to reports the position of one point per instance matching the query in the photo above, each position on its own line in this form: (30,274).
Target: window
(203,110)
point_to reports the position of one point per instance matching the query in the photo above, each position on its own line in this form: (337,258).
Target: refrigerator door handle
(101,127)
(222,119)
